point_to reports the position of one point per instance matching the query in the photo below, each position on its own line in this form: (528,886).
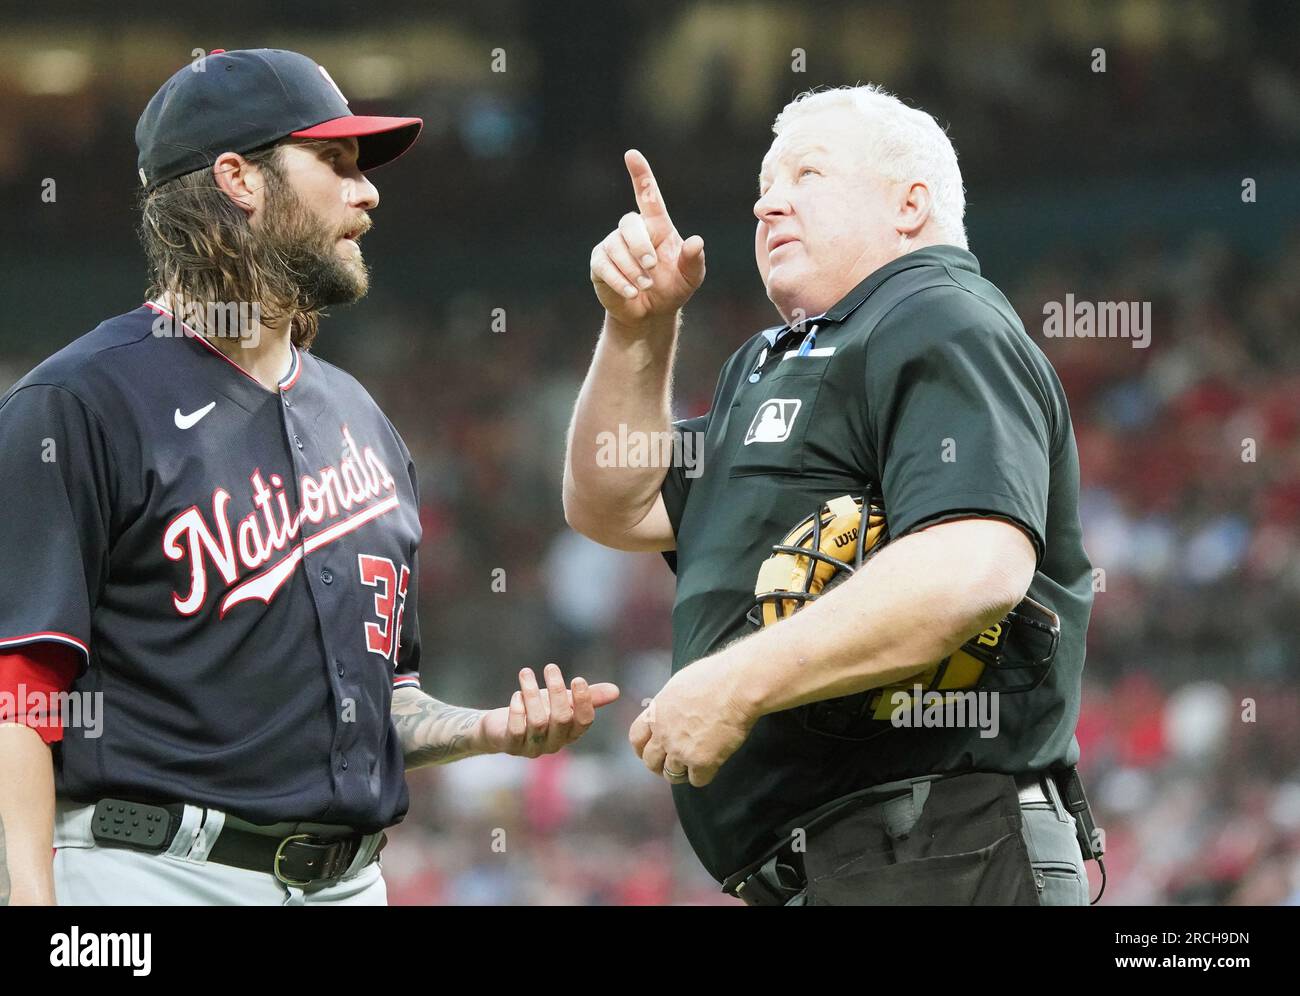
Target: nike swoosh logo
(191,420)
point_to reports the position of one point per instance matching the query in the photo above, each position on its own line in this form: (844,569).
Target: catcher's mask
(1011,656)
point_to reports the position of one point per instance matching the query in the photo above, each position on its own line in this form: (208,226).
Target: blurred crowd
(1019,85)
(1190,452)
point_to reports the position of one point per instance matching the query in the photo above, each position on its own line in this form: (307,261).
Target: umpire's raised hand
(643,269)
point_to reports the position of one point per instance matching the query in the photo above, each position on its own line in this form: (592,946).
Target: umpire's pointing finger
(648,198)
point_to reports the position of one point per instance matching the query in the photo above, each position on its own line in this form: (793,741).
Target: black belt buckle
(302,859)
(131,824)
(775,883)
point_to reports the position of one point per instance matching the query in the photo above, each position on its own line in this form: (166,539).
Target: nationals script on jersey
(348,496)
(237,565)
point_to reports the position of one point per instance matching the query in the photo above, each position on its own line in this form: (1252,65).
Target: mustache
(358,228)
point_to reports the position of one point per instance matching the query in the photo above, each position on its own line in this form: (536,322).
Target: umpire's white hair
(906,144)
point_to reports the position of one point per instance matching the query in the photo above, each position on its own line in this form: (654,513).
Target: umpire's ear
(239,180)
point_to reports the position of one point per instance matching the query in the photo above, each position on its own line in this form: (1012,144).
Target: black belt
(298,859)
(778,876)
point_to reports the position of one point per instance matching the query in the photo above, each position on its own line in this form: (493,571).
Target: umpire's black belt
(298,859)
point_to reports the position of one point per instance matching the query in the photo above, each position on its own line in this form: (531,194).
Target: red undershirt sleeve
(30,682)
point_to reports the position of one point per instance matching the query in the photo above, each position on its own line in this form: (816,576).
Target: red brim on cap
(379,140)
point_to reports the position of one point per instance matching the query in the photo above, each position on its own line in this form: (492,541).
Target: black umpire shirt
(923,381)
(236,566)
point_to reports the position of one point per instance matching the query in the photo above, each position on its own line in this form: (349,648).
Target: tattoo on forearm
(430,731)
(4,867)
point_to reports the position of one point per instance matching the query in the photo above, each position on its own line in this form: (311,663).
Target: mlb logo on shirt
(773,421)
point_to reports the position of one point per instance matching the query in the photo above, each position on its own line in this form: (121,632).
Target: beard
(299,255)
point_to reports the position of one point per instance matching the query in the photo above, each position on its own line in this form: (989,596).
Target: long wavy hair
(202,249)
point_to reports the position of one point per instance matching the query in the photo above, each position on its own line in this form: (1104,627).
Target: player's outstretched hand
(541,721)
(643,269)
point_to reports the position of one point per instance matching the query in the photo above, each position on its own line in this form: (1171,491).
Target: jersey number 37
(384,637)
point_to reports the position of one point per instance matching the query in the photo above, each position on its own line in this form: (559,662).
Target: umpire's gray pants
(86,874)
(1049,832)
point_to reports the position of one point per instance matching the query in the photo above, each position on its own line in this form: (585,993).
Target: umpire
(899,372)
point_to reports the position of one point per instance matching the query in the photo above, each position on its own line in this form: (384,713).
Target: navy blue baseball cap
(242,100)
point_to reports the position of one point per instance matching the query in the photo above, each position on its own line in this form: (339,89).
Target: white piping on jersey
(46,636)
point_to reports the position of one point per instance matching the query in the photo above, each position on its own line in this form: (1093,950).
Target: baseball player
(899,373)
(209,644)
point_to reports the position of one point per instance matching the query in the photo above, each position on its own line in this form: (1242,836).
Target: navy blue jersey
(237,565)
